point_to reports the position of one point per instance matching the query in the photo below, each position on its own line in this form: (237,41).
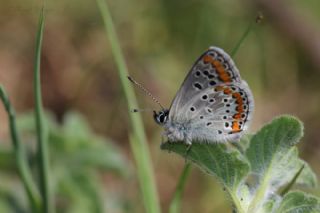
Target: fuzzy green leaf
(215,159)
(274,158)
(272,141)
(299,202)
(254,169)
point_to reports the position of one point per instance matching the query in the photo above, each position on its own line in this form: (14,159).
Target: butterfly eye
(211,100)
(226,124)
(209,123)
(192,109)
(161,117)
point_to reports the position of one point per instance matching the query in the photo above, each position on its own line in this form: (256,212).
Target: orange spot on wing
(225,77)
(237,116)
(207,58)
(238,98)
(239,101)
(235,126)
(221,71)
(217,65)
(227,91)
(218,88)
(239,108)
(236,95)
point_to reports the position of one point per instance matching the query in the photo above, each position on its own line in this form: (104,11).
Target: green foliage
(138,140)
(254,173)
(299,202)
(42,136)
(77,158)
(20,156)
(175,203)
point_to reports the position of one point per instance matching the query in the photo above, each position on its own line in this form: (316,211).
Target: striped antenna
(145,91)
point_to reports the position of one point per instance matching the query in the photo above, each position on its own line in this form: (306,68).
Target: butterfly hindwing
(220,113)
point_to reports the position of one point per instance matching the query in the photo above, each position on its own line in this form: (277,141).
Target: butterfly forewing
(214,67)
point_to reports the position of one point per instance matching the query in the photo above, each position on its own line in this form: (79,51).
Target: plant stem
(259,194)
(42,135)
(235,201)
(253,23)
(20,155)
(175,202)
(138,139)
(245,34)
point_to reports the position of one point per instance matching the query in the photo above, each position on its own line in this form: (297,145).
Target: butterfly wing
(214,67)
(213,102)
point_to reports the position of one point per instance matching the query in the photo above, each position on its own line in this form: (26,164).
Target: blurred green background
(92,164)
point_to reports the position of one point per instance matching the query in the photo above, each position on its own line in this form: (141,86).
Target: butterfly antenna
(145,91)
(141,110)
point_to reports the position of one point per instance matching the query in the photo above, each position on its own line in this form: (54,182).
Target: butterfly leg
(164,138)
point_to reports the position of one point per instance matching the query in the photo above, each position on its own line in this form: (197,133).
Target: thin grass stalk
(175,204)
(137,139)
(292,182)
(41,128)
(20,156)
(245,34)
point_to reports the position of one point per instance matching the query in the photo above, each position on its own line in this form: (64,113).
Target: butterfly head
(161,117)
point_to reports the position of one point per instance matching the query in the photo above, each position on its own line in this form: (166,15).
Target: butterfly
(213,104)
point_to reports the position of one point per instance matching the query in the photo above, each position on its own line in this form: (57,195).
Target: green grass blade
(20,155)
(243,37)
(175,203)
(253,23)
(42,135)
(138,140)
(292,182)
